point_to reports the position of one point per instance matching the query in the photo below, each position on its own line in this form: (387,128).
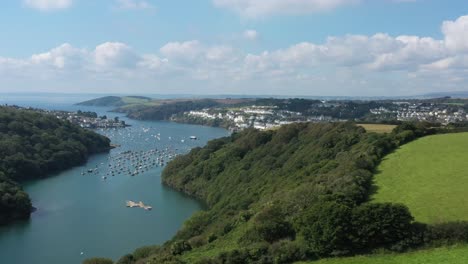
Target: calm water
(83,213)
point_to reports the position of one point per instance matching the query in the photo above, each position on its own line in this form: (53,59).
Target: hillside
(144,108)
(297,193)
(429,176)
(116,101)
(445,255)
(33,145)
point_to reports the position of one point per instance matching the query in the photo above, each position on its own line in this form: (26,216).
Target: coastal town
(90,120)
(84,119)
(269,117)
(417,111)
(258,117)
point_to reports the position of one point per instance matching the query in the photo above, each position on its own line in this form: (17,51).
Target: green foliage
(14,202)
(380,225)
(98,261)
(127,259)
(326,228)
(270,225)
(166,110)
(179,247)
(448,233)
(32,145)
(286,195)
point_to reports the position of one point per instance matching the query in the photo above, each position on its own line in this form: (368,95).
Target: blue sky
(281,47)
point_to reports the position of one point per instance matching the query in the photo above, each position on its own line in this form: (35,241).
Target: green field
(430,176)
(377,128)
(453,255)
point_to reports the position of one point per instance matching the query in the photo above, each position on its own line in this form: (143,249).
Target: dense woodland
(166,111)
(33,145)
(297,193)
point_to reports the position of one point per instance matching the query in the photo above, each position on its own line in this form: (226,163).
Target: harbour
(83,210)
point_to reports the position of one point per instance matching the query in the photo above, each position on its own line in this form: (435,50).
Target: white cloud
(263,8)
(134,4)
(185,51)
(115,54)
(456,34)
(152,62)
(46,5)
(64,56)
(259,8)
(359,64)
(250,34)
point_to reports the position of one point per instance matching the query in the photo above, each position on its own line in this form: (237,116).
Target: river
(82,216)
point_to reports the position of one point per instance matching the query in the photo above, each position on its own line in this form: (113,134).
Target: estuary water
(81,216)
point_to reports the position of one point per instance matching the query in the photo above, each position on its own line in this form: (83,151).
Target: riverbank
(63,200)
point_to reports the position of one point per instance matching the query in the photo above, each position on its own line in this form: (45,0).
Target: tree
(98,261)
(325,227)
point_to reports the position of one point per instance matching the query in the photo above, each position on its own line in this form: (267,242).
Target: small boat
(193,138)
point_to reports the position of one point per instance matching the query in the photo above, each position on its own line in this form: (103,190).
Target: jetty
(140,204)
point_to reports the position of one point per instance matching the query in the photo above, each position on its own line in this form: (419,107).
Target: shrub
(448,233)
(380,225)
(144,252)
(197,241)
(127,259)
(179,247)
(98,261)
(325,228)
(270,224)
(287,251)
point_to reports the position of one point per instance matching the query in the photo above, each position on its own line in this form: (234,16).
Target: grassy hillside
(116,101)
(428,175)
(296,193)
(378,128)
(446,255)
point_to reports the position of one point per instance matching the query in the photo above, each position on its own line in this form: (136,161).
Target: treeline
(195,120)
(33,145)
(166,110)
(298,193)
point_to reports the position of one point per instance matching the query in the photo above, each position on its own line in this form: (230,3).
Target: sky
(257,47)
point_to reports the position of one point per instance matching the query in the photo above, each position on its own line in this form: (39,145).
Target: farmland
(429,176)
(447,255)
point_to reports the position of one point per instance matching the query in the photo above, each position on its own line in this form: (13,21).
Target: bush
(98,261)
(179,247)
(448,233)
(197,241)
(270,225)
(325,228)
(287,251)
(144,252)
(127,259)
(380,225)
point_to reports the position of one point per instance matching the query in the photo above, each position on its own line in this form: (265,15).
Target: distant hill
(460,94)
(116,101)
(145,108)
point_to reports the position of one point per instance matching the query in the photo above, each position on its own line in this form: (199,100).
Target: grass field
(430,176)
(453,255)
(378,128)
